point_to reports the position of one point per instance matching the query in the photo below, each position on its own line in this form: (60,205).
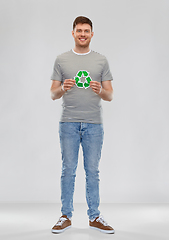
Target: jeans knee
(92,174)
(68,171)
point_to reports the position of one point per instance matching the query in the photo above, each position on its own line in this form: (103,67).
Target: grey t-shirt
(80,103)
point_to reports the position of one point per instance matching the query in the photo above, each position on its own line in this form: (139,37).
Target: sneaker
(100,224)
(63,224)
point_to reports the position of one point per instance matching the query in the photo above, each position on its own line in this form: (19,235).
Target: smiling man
(82,78)
(82,35)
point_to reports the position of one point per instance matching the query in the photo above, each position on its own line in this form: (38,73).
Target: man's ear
(73,34)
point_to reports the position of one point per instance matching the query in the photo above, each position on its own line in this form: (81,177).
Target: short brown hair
(82,19)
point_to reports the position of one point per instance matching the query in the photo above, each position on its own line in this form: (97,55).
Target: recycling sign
(82,74)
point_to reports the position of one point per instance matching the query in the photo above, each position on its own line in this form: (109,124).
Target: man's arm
(57,90)
(105,92)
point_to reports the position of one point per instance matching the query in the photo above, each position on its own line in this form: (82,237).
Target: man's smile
(82,39)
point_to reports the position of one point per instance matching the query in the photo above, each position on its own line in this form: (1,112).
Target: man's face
(82,35)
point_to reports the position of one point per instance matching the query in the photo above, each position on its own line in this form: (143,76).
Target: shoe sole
(103,231)
(60,231)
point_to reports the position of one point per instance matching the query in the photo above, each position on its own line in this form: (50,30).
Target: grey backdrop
(134,36)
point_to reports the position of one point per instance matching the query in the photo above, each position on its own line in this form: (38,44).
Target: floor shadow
(80,234)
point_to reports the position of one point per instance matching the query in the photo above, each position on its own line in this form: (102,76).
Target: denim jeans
(90,136)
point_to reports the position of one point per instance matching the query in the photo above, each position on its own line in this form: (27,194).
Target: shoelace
(61,221)
(101,220)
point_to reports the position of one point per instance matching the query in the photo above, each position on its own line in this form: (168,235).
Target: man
(82,77)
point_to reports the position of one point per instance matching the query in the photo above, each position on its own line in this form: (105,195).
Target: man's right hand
(68,84)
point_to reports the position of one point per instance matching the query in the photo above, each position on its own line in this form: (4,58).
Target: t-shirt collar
(80,53)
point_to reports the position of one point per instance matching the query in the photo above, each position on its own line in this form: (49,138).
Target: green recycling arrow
(82,73)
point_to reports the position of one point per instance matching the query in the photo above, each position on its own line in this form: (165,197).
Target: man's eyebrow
(88,29)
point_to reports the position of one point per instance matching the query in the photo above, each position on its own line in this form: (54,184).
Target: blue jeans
(90,136)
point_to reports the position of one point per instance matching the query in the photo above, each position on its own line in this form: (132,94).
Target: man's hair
(82,20)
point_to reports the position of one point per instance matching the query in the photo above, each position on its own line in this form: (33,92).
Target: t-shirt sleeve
(106,74)
(57,74)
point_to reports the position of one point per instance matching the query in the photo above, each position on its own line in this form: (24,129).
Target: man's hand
(95,86)
(68,84)
(105,91)
(57,90)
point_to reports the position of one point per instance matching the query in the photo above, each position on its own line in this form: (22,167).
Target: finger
(95,84)
(68,83)
(95,89)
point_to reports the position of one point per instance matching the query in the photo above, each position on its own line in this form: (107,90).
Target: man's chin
(83,45)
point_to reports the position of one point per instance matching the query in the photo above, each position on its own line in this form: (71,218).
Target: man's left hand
(95,86)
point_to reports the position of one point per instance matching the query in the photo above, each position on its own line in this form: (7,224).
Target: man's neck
(81,50)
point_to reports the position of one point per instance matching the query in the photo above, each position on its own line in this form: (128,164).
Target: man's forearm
(106,95)
(57,93)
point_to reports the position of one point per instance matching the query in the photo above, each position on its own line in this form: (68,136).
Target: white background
(134,36)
